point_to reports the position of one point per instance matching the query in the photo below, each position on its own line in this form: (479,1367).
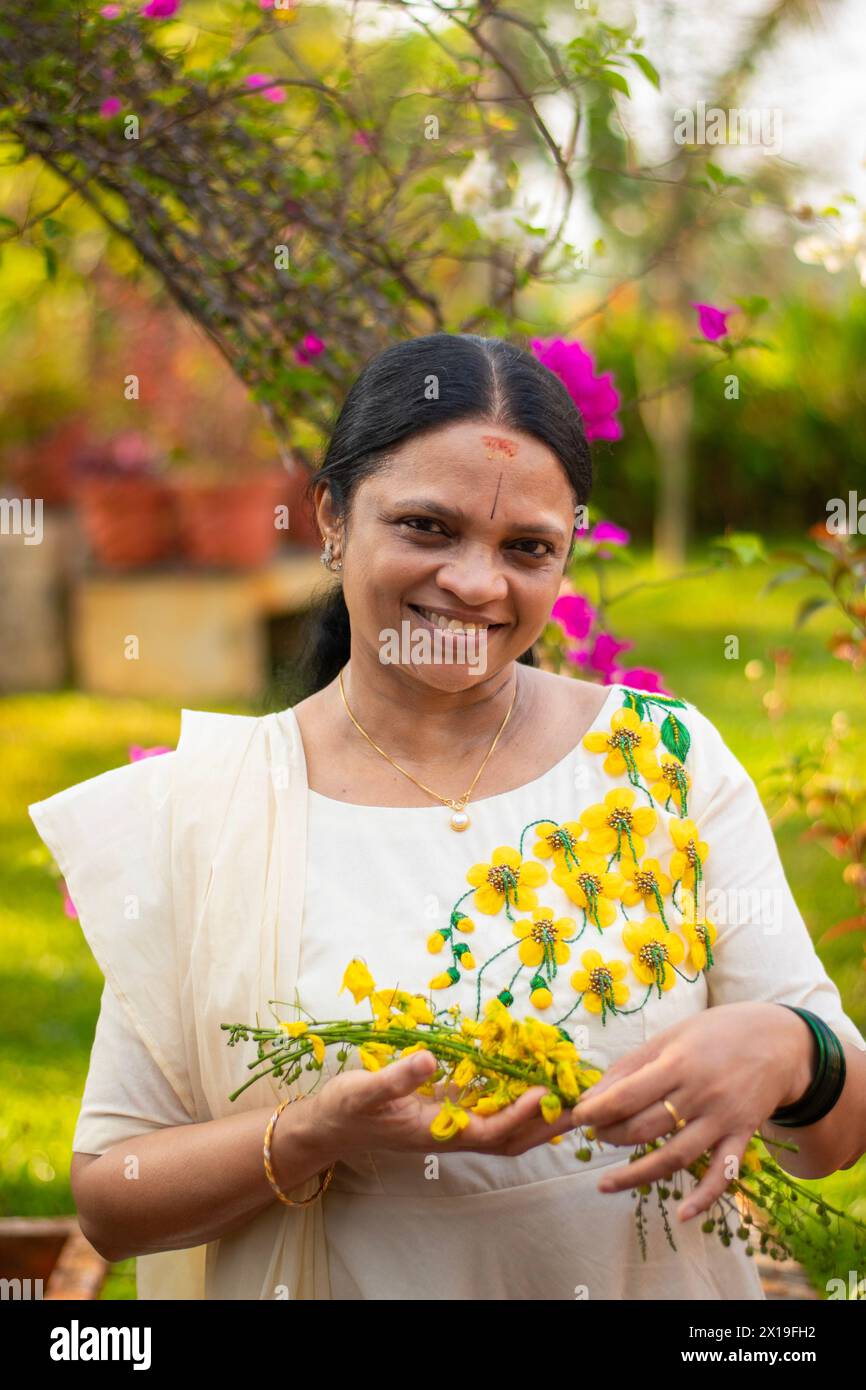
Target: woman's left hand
(724,1070)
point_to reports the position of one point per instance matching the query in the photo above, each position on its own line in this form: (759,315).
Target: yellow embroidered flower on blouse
(600,983)
(558,842)
(592,888)
(358,979)
(655,951)
(674,783)
(645,882)
(698,931)
(629,745)
(691,851)
(543,939)
(615,827)
(507,879)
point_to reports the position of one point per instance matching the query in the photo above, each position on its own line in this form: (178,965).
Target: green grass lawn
(50,984)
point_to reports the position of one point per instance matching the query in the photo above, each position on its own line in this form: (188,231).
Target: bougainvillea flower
(110,11)
(643,678)
(110,107)
(574,613)
(362,138)
(68,905)
(136,752)
(713,322)
(611,533)
(604,652)
(595,396)
(309,347)
(161,9)
(266,85)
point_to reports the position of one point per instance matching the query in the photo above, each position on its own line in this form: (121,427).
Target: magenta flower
(110,107)
(363,138)
(269,89)
(611,533)
(574,614)
(110,11)
(642,678)
(136,752)
(68,905)
(605,650)
(712,322)
(160,9)
(309,347)
(595,396)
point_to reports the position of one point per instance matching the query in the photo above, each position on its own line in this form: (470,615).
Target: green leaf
(675,737)
(610,78)
(786,576)
(808,607)
(50,262)
(746,547)
(753,305)
(640,60)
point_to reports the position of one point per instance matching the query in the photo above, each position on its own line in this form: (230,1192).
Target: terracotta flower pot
(230,525)
(128,522)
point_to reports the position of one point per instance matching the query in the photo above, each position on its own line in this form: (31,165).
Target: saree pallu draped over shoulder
(238,813)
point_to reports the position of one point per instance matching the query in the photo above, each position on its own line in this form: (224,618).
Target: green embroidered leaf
(675,737)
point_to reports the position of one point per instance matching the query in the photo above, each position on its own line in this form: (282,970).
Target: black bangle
(828,1077)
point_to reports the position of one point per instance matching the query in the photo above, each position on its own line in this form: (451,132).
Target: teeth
(450,624)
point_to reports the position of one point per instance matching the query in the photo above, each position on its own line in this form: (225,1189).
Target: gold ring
(678,1122)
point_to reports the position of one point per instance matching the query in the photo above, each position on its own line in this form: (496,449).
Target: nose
(475,576)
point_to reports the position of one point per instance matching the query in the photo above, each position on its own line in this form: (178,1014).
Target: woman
(470,827)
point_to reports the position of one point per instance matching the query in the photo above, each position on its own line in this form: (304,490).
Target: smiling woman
(266,853)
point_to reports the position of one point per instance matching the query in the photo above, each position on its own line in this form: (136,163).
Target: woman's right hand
(360,1110)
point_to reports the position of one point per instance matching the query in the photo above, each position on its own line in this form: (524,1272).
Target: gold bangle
(325,1177)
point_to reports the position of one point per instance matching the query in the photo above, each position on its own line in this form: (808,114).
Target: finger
(398,1078)
(665,1161)
(715,1181)
(655,1122)
(628,1095)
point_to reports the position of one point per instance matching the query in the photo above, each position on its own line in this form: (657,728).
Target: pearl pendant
(459,820)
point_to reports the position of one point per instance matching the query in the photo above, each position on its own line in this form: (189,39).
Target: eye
(546,549)
(422,524)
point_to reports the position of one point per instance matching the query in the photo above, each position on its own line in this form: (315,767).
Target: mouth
(441,621)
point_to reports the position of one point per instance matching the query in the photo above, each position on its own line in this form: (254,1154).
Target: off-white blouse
(379,882)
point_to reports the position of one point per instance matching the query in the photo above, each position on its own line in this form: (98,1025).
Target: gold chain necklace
(459,818)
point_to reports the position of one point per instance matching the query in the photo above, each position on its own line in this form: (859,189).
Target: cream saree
(187,871)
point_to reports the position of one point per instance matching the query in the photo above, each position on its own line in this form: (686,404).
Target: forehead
(478,457)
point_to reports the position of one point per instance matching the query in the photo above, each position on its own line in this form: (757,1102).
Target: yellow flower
(375,1055)
(295,1030)
(450,1119)
(446,979)
(628,746)
(358,979)
(541,997)
(318,1047)
(690,853)
(673,783)
(600,983)
(558,842)
(462,923)
(615,827)
(699,934)
(751,1160)
(655,951)
(506,879)
(542,938)
(435,942)
(641,882)
(591,887)
(464,1072)
(551,1107)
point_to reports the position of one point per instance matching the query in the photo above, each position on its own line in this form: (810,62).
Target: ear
(327,516)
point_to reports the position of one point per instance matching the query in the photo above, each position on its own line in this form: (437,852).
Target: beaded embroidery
(599,862)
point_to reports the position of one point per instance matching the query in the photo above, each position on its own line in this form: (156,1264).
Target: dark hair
(476,378)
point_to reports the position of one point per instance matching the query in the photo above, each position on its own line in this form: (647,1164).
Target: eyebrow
(428,504)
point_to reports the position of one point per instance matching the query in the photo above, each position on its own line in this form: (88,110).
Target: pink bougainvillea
(574,613)
(161,9)
(595,396)
(136,752)
(309,347)
(712,322)
(110,107)
(266,85)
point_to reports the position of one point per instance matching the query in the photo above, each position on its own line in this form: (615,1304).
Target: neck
(406,716)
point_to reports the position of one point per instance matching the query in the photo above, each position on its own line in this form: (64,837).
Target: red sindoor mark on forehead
(496,446)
